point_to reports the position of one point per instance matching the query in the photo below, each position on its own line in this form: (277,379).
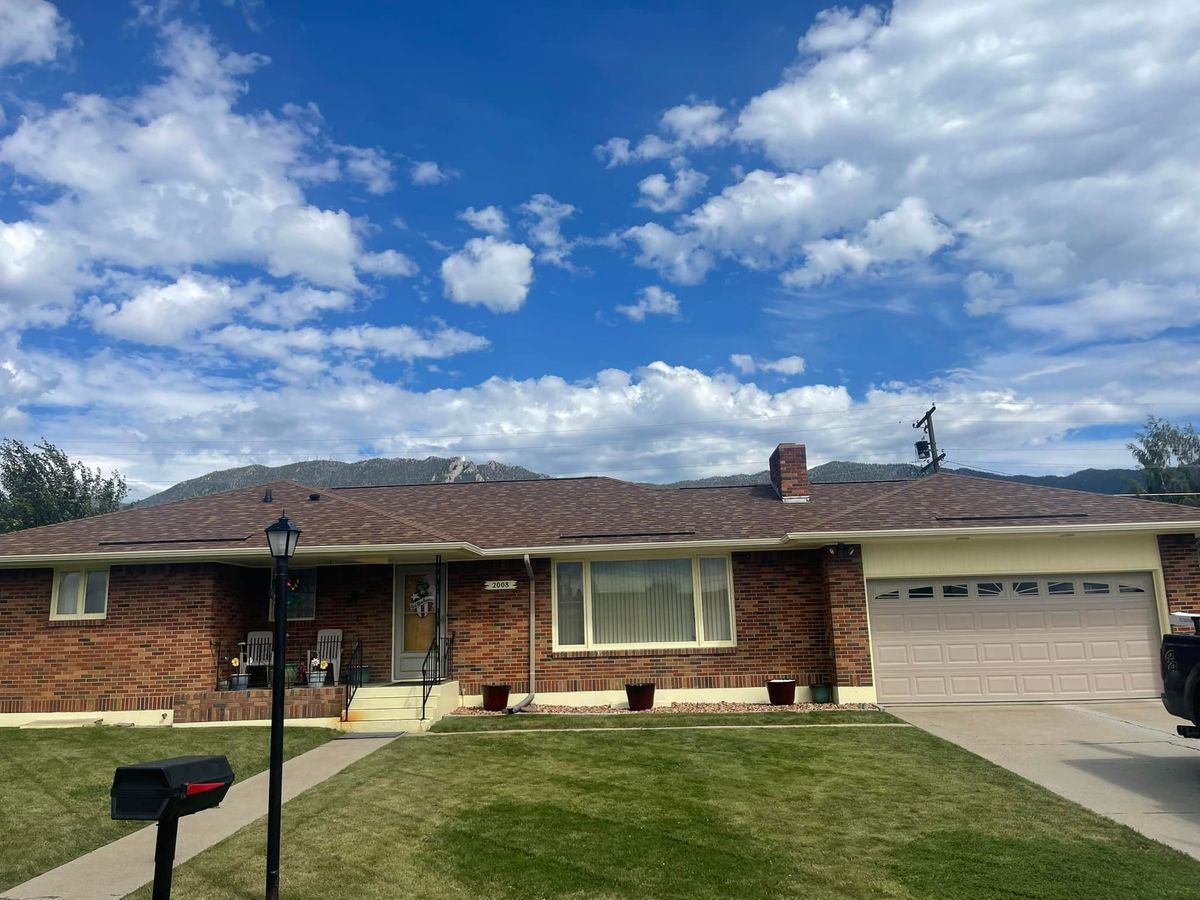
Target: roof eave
(857,536)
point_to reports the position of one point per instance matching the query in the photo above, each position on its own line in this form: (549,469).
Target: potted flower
(640,696)
(318,670)
(240,679)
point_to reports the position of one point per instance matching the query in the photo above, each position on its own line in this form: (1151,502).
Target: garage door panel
(1019,641)
(927,653)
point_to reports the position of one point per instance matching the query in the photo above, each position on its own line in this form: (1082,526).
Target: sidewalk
(123,866)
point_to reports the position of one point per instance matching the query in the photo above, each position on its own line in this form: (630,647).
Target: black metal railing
(436,667)
(354,677)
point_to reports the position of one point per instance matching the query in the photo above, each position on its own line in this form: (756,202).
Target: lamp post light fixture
(282,538)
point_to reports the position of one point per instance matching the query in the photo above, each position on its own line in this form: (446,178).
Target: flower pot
(361,674)
(782,691)
(239,682)
(317,678)
(640,696)
(495,697)
(222,684)
(291,674)
(821,693)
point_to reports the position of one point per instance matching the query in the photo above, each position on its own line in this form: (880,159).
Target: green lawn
(741,812)
(543,721)
(55,783)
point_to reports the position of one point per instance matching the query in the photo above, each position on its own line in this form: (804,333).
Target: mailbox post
(164,791)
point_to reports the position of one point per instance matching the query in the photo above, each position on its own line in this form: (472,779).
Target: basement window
(79,594)
(626,604)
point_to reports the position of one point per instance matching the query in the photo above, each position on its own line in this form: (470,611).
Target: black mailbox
(161,792)
(169,788)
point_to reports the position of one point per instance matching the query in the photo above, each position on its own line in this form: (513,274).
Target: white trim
(80,616)
(143,718)
(662,696)
(589,645)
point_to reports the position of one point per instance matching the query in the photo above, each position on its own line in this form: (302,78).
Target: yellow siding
(1035,554)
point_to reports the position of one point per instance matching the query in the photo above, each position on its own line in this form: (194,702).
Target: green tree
(40,485)
(1169,455)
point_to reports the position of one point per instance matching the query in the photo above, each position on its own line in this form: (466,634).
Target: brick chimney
(789,473)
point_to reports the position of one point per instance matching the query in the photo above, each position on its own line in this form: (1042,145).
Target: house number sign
(500,585)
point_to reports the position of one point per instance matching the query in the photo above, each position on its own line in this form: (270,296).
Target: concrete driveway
(1122,759)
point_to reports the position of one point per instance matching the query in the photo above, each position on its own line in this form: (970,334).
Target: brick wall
(1181,573)
(842,576)
(780,614)
(155,641)
(244,706)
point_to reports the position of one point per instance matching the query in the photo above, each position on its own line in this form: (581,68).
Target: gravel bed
(673,708)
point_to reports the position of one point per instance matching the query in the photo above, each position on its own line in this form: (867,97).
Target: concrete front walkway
(123,866)
(1121,759)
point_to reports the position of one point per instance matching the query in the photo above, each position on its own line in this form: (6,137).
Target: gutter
(532,644)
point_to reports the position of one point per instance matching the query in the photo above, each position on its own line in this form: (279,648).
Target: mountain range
(435,469)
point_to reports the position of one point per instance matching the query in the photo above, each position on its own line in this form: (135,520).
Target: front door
(416,615)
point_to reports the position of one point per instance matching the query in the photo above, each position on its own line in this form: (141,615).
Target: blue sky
(649,242)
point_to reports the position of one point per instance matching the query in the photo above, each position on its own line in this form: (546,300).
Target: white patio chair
(260,649)
(329,646)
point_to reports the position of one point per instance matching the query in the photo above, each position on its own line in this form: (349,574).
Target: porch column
(846,593)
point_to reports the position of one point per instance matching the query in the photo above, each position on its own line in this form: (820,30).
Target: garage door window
(1096,587)
(1058,588)
(1031,589)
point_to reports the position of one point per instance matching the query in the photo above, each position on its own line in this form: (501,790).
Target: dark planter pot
(821,693)
(361,674)
(240,682)
(640,696)
(495,697)
(782,691)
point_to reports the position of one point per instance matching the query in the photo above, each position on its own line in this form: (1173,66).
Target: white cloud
(400,342)
(906,234)
(660,194)
(687,127)
(175,176)
(368,166)
(652,301)
(31,31)
(167,314)
(489,272)
(543,220)
(785,365)
(839,28)
(761,221)
(428,172)
(1102,311)
(39,274)
(489,219)
(297,304)
(387,262)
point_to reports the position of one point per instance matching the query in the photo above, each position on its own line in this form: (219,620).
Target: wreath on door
(422,599)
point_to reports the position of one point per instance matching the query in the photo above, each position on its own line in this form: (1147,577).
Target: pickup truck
(1180,659)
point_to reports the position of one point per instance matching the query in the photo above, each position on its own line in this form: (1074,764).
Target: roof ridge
(373,508)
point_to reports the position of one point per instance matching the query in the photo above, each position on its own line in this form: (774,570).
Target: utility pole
(927,449)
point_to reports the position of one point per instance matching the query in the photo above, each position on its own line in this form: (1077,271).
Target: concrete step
(390,690)
(389,712)
(384,726)
(373,702)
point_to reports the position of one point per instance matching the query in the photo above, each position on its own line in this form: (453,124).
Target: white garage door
(1025,638)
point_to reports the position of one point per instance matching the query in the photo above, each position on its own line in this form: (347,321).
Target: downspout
(532,644)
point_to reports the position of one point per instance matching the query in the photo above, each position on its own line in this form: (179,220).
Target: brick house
(948,589)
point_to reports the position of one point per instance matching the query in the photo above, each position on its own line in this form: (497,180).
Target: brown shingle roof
(584,511)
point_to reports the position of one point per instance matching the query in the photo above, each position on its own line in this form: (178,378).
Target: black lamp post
(282,538)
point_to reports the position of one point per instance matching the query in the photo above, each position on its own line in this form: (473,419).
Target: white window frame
(589,645)
(83,580)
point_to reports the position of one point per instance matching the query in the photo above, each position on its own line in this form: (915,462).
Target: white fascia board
(846,537)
